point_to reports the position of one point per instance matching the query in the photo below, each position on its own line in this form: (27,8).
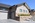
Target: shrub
(23,14)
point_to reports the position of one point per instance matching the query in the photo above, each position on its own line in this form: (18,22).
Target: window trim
(20,10)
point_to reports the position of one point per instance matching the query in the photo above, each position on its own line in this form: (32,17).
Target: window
(20,10)
(26,11)
(23,10)
(3,9)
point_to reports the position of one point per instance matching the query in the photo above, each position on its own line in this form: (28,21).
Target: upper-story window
(23,10)
(26,11)
(20,10)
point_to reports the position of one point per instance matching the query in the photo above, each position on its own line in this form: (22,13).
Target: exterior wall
(23,8)
(22,18)
(32,13)
(25,18)
(11,12)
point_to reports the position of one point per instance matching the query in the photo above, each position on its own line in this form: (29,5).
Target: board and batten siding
(23,8)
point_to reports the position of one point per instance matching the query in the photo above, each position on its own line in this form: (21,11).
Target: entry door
(3,15)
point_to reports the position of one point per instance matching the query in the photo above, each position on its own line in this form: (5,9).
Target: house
(4,11)
(19,12)
(32,12)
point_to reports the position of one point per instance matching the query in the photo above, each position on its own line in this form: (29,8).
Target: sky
(31,3)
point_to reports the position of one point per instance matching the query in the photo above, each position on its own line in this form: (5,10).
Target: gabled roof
(25,4)
(4,5)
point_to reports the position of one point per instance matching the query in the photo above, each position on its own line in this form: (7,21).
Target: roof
(7,6)
(4,5)
(25,4)
(32,10)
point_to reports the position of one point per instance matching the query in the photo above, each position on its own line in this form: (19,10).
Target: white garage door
(3,15)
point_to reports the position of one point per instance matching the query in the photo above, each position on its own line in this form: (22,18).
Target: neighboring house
(18,10)
(32,12)
(4,11)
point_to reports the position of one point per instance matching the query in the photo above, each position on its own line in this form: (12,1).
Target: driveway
(8,21)
(14,21)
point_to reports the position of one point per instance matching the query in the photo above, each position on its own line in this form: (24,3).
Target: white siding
(23,8)
(25,18)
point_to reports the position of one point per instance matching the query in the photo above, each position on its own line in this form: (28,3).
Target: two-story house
(19,12)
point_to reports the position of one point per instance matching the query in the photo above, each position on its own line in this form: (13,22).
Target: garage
(3,14)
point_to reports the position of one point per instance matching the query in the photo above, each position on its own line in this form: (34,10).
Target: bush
(23,14)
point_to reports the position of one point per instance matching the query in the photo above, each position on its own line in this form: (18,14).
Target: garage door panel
(3,15)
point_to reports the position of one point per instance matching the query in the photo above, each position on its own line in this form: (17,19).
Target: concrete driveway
(8,21)
(14,21)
